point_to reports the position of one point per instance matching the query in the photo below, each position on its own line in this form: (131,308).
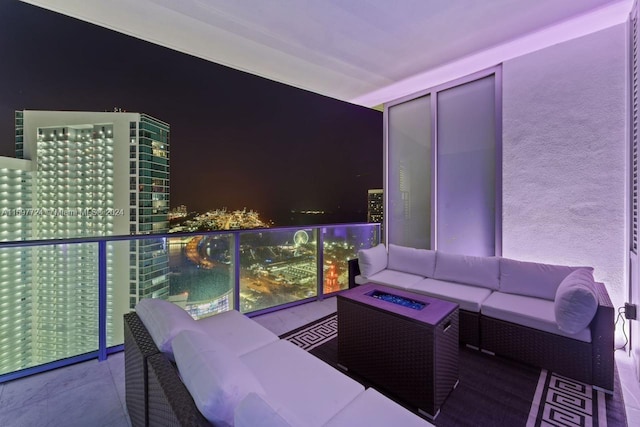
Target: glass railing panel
(50,293)
(340,244)
(16,292)
(277,267)
(195,272)
(118,279)
(48,304)
(202,273)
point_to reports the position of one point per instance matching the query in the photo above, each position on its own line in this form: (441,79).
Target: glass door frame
(433,93)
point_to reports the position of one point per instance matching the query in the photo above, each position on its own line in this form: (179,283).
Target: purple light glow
(597,20)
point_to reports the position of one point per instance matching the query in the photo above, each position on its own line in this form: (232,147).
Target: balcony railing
(62,301)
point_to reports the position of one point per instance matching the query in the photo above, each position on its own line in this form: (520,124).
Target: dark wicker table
(411,354)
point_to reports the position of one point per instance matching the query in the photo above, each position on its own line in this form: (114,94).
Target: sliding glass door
(444,167)
(409,173)
(466,177)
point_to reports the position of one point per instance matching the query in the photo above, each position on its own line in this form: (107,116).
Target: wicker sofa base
(589,362)
(538,348)
(138,346)
(469,328)
(170,403)
(155,395)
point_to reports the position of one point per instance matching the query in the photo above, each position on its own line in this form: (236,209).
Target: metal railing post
(320,257)
(236,265)
(102,300)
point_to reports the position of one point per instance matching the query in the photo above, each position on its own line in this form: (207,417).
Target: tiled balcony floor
(92,393)
(85,394)
(630,387)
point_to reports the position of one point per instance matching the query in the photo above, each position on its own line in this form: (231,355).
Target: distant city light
(218,219)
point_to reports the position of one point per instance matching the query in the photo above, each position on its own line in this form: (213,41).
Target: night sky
(237,140)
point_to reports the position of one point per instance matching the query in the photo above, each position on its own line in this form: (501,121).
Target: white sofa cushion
(531,278)
(236,331)
(372,409)
(396,279)
(259,411)
(536,313)
(468,297)
(311,389)
(214,375)
(470,270)
(361,280)
(576,301)
(421,262)
(372,260)
(164,320)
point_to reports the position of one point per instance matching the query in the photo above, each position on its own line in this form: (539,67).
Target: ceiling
(362,51)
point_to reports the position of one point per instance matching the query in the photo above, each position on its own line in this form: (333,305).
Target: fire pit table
(405,344)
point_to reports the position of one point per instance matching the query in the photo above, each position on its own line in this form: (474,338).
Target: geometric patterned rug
(557,401)
(314,334)
(561,401)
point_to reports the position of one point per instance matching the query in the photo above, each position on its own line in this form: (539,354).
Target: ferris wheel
(300,238)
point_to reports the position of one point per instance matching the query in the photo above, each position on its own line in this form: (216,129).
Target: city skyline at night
(71,172)
(238,140)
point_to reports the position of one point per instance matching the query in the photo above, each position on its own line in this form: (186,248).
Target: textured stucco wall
(564,156)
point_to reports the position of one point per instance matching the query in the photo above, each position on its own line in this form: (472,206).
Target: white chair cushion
(576,301)
(531,278)
(470,270)
(312,390)
(393,278)
(260,411)
(468,297)
(214,375)
(536,313)
(236,331)
(164,320)
(421,262)
(372,260)
(372,409)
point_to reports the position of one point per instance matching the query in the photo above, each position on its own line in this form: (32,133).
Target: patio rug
(493,391)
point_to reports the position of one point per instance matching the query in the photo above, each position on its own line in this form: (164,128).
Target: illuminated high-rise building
(82,174)
(375,209)
(375,206)
(179,212)
(331,283)
(16,303)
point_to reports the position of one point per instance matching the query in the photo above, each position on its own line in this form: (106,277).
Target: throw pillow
(470,270)
(214,375)
(576,301)
(164,320)
(372,260)
(411,260)
(533,279)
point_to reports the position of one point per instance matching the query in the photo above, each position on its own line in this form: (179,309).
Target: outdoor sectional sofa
(229,370)
(554,317)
